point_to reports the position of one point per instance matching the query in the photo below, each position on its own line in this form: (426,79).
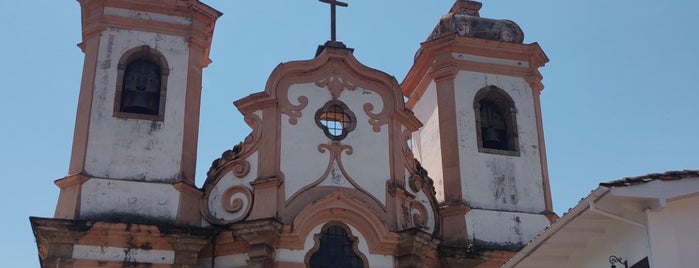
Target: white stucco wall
(100,253)
(493,181)
(620,239)
(149,16)
(129,148)
(301,161)
(228,261)
(504,228)
(105,198)
(426,141)
(298,256)
(674,240)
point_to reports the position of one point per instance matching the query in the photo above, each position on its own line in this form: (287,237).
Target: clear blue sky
(620,97)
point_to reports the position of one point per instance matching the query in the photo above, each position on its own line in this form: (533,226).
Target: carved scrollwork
(407,152)
(238,201)
(294,110)
(234,159)
(415,183)
(418,211)
(335,149)
(240,168)
(335,81)
(376,120)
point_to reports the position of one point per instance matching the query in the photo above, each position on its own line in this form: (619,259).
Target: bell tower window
(140,93)
(141,84)
(496,122)
(336,120)
(335,247)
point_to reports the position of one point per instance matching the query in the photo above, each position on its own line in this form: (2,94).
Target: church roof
(464,20)
(667,176)
(621,202)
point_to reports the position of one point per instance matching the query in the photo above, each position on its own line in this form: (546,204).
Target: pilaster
(267,193)
(261,235)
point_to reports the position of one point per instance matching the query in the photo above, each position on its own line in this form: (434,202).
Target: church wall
(369,163)
(116,199)
(620,239)
(131,148)
(118,254)
(502,228)
(227,261)
(426,138)
(494,181)
(304,163)
(301,162)
(673,235)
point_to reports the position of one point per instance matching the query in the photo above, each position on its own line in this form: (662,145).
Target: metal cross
(333,4)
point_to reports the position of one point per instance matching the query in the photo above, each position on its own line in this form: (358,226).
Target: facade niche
(141,84)
(496,122)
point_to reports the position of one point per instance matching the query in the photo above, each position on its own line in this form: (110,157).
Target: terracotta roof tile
(667,176)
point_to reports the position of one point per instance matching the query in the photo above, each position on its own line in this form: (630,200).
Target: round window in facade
(336,120)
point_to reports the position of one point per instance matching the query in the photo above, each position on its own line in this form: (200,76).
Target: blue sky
(620,97)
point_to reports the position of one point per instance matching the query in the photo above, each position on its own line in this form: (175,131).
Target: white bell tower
(135,142)
(476,86)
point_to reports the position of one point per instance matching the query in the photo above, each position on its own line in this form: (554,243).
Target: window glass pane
(335,250)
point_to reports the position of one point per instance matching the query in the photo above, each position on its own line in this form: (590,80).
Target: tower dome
(464,20)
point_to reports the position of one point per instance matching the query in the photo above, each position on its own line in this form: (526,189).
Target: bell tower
(135,141)
(476,86)
(129,198)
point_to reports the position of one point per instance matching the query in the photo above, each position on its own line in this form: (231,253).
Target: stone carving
(335,81)
(465,20)
(294,110)
(234,159)
(336,84)
(418,211)
(240,168)
(376,120)
(238,201)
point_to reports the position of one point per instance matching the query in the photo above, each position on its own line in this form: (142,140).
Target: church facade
(344,166)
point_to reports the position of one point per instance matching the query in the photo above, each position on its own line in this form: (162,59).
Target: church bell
(139,103)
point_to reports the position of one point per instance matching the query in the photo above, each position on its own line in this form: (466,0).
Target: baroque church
(343,167)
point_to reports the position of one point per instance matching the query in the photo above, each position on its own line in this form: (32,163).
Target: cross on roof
(333,4)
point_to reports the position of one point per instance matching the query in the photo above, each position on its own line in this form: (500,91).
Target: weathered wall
(425,142)
(119,199)
(502,229)
(494,181)
(673,235)
(620,239)
(130,148)
(302,161)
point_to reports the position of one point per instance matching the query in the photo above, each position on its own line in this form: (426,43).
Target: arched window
(140,92)
(496,122)
(141,84)
(336,247)
(335,119)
